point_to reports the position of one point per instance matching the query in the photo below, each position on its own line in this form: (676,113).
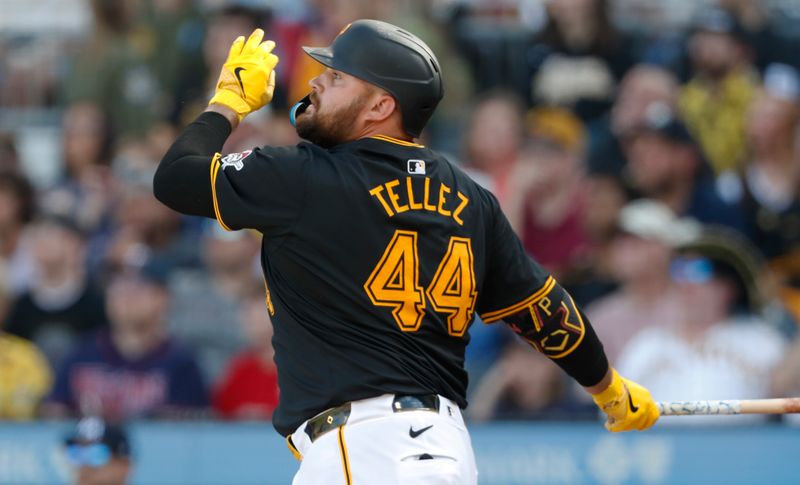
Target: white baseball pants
(380,446)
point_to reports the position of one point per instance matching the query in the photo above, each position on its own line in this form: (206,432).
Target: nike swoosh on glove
(628,405)
(247,80)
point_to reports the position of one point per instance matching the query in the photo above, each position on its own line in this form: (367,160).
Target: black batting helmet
(390,58)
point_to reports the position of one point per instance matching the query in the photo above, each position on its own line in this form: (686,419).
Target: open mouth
(307,111)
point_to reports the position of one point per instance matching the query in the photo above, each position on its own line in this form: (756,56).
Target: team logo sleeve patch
(260,189)
(550,322)
(235,160)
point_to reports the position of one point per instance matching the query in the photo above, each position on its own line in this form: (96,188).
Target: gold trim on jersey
(397,141)
(293,449)
(215,165)
(491,317)
(268,299)
(348,479)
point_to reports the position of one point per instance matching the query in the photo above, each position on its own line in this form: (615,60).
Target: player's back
(387,217)
(375,265)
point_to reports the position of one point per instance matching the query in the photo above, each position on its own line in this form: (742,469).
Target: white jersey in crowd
(731,360)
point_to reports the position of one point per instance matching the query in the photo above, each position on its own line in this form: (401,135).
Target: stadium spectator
(493,142)
(722,348)
(9,158)
(520,385)
(639,259)
(546,202)
(665,164)
(111,69)
(225,23)
(579,57)
(714,101)
(641,87)
(768,43)
(99,452)
(135,369)
(206,301)
(26,376)
(771,178)
(62,305)
(249,388)
(17,203)
(84,190)
(26,381)
(592,275)
(146,229)
(172,34)
(493,38)
(769,184)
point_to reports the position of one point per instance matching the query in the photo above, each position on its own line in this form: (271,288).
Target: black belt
(335,417)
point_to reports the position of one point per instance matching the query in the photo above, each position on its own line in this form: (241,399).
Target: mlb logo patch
(416,167)
(235,160)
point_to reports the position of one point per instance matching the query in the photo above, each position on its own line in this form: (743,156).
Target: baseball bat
(750,406)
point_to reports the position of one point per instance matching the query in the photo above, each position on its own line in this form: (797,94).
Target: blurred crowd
(647,154)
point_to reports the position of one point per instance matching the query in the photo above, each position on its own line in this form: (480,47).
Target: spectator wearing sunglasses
(639,257)
(99,452)
(722,347)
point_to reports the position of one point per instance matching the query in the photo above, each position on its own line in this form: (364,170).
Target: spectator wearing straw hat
(722,348)
(639,258)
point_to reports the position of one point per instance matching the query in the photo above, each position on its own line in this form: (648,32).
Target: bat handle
(748,406)
(689,408)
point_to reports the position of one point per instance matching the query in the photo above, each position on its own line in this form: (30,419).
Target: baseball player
(377,255)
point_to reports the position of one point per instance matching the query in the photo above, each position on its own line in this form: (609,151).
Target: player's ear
(380,107)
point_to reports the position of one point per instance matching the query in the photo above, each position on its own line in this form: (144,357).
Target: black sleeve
(261,189)
(520,292)
(512,277)
(182,179)
(553,325)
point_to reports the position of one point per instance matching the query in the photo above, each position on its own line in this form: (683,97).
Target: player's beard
(329,129)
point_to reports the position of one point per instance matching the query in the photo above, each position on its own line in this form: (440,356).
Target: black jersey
(377,255)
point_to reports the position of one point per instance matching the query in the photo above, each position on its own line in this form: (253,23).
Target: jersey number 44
(394,283)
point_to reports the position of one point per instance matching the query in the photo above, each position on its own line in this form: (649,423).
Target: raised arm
(181,181)
(246,83)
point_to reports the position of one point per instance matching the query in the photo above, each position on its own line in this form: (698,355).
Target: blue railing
(507,453)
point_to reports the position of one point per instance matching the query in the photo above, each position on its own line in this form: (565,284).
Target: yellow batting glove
(628,405)
(247,80)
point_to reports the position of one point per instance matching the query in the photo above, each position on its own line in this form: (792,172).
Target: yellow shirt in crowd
(25,378)
(715,113)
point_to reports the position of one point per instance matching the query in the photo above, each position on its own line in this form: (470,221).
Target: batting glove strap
(232,101)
